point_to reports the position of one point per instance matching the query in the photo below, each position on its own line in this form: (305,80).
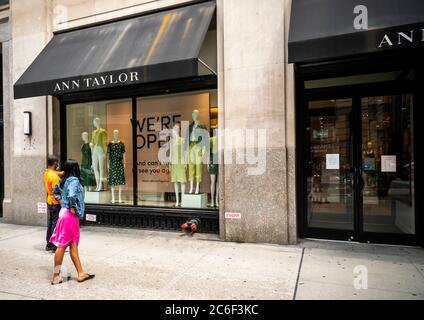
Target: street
(138,264)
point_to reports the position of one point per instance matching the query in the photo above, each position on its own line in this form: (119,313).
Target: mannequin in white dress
(176,164)
(99,141)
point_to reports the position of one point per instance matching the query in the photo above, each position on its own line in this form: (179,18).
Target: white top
(193,133)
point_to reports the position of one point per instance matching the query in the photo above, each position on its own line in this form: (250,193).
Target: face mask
(57,167)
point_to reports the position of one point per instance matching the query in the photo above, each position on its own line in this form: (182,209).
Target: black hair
(71,169)
(51,160)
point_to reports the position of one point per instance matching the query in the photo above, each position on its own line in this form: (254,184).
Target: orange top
(51,179)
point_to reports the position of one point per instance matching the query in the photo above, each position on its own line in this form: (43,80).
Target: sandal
(55,282)
(90,276)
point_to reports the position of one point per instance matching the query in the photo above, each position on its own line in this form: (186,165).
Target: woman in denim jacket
(67,232)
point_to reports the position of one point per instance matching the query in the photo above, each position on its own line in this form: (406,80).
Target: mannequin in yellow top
(99,142)
(195,149)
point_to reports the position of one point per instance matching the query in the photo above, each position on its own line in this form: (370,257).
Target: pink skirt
(67,229)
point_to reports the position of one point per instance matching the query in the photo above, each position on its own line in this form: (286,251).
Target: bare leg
(112,188)
(96,170)
(198,172)
(177,191)
(102,168)
(120,194)
(213,189)
(77,263)
(58,260)
(183,191)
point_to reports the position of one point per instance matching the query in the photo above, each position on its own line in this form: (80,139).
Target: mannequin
(99,139)
(195,149)
(86,163)
(176,165)
(213,171)
(116,166)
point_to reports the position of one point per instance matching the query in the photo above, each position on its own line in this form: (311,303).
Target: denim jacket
(72,195)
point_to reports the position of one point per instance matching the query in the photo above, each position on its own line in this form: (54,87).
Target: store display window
(175,144)
(99,137)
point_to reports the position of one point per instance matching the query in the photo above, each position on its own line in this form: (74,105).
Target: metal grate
(152,218)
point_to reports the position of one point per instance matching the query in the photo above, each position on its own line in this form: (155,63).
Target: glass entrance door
(360,168)
(330,187)
(388,164)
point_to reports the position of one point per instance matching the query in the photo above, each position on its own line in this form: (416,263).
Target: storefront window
(176,147)
(172,169)
(99,137)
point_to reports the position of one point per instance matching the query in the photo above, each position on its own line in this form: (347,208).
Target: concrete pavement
(139,264)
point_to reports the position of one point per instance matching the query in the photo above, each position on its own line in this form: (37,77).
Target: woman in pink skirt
(67,232)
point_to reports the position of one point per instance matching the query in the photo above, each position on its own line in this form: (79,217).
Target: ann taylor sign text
(97,82)
(402,38)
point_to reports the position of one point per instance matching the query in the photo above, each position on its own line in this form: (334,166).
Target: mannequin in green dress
(86,163)
(116,166)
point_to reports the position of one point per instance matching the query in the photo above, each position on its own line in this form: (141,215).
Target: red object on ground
(191,226)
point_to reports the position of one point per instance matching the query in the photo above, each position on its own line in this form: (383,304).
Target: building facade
(309,125)
(249,89)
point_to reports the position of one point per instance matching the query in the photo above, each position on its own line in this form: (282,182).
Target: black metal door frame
(355,93)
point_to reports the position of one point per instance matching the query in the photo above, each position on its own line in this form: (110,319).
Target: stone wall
(25,156)
(256,91)
(74,13)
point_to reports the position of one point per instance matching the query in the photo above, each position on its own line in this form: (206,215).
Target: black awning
(155,47)
(324,29)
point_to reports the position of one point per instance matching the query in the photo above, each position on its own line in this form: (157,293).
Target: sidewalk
(137,264)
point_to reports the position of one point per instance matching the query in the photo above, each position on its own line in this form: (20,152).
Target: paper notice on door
(333,162)
(388,164)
